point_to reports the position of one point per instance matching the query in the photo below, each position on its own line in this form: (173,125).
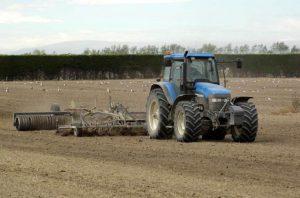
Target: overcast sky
(33,23)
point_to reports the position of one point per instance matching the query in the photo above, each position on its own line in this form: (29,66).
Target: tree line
(275,48)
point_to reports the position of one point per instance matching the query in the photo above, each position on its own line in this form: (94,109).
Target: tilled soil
(42,164)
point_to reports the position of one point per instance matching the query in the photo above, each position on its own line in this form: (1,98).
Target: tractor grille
(217,105)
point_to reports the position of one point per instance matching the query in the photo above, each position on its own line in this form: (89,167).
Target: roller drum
(40,122)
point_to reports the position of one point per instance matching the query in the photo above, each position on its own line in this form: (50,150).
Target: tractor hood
(208,89)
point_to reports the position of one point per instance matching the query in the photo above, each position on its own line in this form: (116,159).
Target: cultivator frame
(82,121)
(116,121)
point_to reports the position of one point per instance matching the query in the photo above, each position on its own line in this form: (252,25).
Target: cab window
(167,72)
(176,71)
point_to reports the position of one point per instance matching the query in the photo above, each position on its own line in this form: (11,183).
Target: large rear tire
(248,130)
(158,110)
(187,121)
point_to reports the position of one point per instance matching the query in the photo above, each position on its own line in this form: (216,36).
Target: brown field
(42,164)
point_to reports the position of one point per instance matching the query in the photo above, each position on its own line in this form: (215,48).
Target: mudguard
(240,99)
(168,89)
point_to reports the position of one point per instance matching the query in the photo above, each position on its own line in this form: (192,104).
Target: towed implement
(81,121)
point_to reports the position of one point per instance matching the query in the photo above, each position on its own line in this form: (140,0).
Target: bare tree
(133,50)
(86,52)
(38,52)
(244,49)
(149,49)
(280,48)
(173,47)
(228,49)
(259,49)
(295,50)
(209,48)
(116,50)
(276,48)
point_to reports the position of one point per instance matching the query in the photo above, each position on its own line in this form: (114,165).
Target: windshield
(202,70)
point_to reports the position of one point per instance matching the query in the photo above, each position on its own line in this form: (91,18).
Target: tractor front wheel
(187,121)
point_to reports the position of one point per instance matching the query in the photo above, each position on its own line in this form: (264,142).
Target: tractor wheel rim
(236,131)
(154,116)
(180,123)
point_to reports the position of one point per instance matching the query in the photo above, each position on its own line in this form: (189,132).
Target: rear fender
(167,89)
(235,100)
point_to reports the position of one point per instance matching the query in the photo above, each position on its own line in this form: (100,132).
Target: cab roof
(189,55)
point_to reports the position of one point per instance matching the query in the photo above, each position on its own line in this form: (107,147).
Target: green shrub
(131,66)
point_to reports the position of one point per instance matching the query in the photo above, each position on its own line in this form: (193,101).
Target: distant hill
(72,47)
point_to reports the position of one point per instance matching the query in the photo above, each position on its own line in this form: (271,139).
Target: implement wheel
(248,130)
(187,121)
(77,132)
(158,110)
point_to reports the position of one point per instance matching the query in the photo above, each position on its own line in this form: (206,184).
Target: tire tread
(164,107)
(248,131)
(193,121)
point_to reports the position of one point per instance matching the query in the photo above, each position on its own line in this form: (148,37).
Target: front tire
(187,121)
(248,130)
(158,110)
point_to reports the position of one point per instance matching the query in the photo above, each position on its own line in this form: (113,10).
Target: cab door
(176,76)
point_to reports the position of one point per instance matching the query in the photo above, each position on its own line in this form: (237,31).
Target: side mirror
(239,64)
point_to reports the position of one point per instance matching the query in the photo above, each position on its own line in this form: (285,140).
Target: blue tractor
(190,103)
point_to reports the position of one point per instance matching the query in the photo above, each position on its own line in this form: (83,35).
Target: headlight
(217,100)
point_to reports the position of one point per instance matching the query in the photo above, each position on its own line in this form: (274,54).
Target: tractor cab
(185,70)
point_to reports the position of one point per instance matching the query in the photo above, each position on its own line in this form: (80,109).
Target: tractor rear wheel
(187,121)
(248,130)
(158,110)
